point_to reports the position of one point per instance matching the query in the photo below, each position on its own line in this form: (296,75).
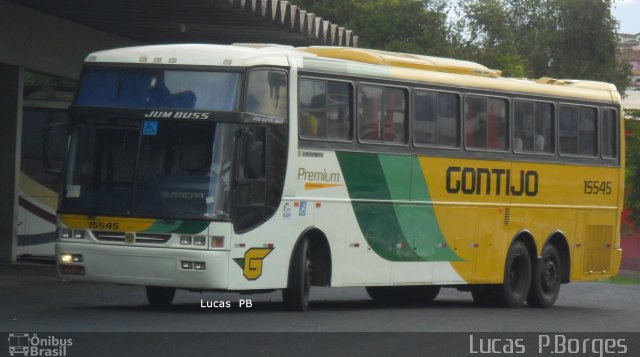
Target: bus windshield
(146,88)
(176,169)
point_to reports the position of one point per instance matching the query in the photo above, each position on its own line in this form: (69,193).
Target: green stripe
(396,232)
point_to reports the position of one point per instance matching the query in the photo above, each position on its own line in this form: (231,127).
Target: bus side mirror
(54,146)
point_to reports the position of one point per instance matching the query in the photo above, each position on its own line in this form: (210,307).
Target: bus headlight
(200,241)
(70,258)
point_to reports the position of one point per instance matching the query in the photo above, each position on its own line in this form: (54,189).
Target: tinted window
(325,109)
(533,127)
(382,114)
(486,123)
(436,119)
(578,133)
(267,93)
(157,88)
(609,128)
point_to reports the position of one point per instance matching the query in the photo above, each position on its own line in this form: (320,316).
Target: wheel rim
(549,275)
(517,273)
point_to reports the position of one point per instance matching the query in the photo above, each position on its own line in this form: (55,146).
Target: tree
(585,43)
(556,38)
(492,39)
(632,160)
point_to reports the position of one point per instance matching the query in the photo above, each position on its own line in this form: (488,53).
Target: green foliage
(585,43)
(632,160)
(492,40)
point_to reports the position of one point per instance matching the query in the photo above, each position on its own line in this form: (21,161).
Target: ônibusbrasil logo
(32,345)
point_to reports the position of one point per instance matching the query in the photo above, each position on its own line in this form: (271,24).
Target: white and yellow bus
(252,168)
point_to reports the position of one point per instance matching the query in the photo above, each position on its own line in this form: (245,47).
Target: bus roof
(241,55)
(355,61)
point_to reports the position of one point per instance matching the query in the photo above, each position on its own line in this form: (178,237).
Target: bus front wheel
(296,296)
(160,297)
(545,282)
(517,277)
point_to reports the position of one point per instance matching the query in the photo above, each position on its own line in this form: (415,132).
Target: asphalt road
(33,299)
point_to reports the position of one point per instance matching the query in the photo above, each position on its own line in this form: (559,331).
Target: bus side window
(609,134)
(325,109)
(395,121)
(448,120)
(424,116)
(475,122)
(543,141)
(436,119)
(568,130)
(370,113)
(588,133)
(338,113)
(578,131)
(382,114)
(267,93)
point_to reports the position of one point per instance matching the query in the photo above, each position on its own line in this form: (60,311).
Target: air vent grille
(143,238)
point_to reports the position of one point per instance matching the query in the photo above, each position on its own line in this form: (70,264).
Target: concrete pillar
(11,124)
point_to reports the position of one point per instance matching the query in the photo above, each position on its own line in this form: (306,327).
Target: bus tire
(296,296)
(389,295)
(546,278)
(517,277)
(160,297)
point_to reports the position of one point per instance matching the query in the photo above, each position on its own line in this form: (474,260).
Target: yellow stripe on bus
(107,223)
(317,185)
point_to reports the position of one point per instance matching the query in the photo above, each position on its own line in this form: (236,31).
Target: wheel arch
(320,254)
(527,239)
(559,240)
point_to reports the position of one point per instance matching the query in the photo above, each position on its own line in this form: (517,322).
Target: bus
(253,168)
(38,190)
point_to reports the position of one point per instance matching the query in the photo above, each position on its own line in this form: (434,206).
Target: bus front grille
(143,238)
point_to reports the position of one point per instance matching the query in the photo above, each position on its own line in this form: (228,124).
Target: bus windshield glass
(177,169)
(146,88)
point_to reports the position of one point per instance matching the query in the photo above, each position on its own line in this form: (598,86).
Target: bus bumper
(148,266)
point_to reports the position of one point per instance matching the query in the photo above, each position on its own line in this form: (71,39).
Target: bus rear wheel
(517,277)
(296,296)
(545,282)
(160,297)
(389,295)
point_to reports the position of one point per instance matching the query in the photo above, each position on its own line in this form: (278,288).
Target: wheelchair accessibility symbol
(150,128)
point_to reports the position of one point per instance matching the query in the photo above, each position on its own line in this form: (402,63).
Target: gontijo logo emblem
(252,263)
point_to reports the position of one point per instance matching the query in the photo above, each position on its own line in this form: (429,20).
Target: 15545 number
(597,187)
(104,225)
